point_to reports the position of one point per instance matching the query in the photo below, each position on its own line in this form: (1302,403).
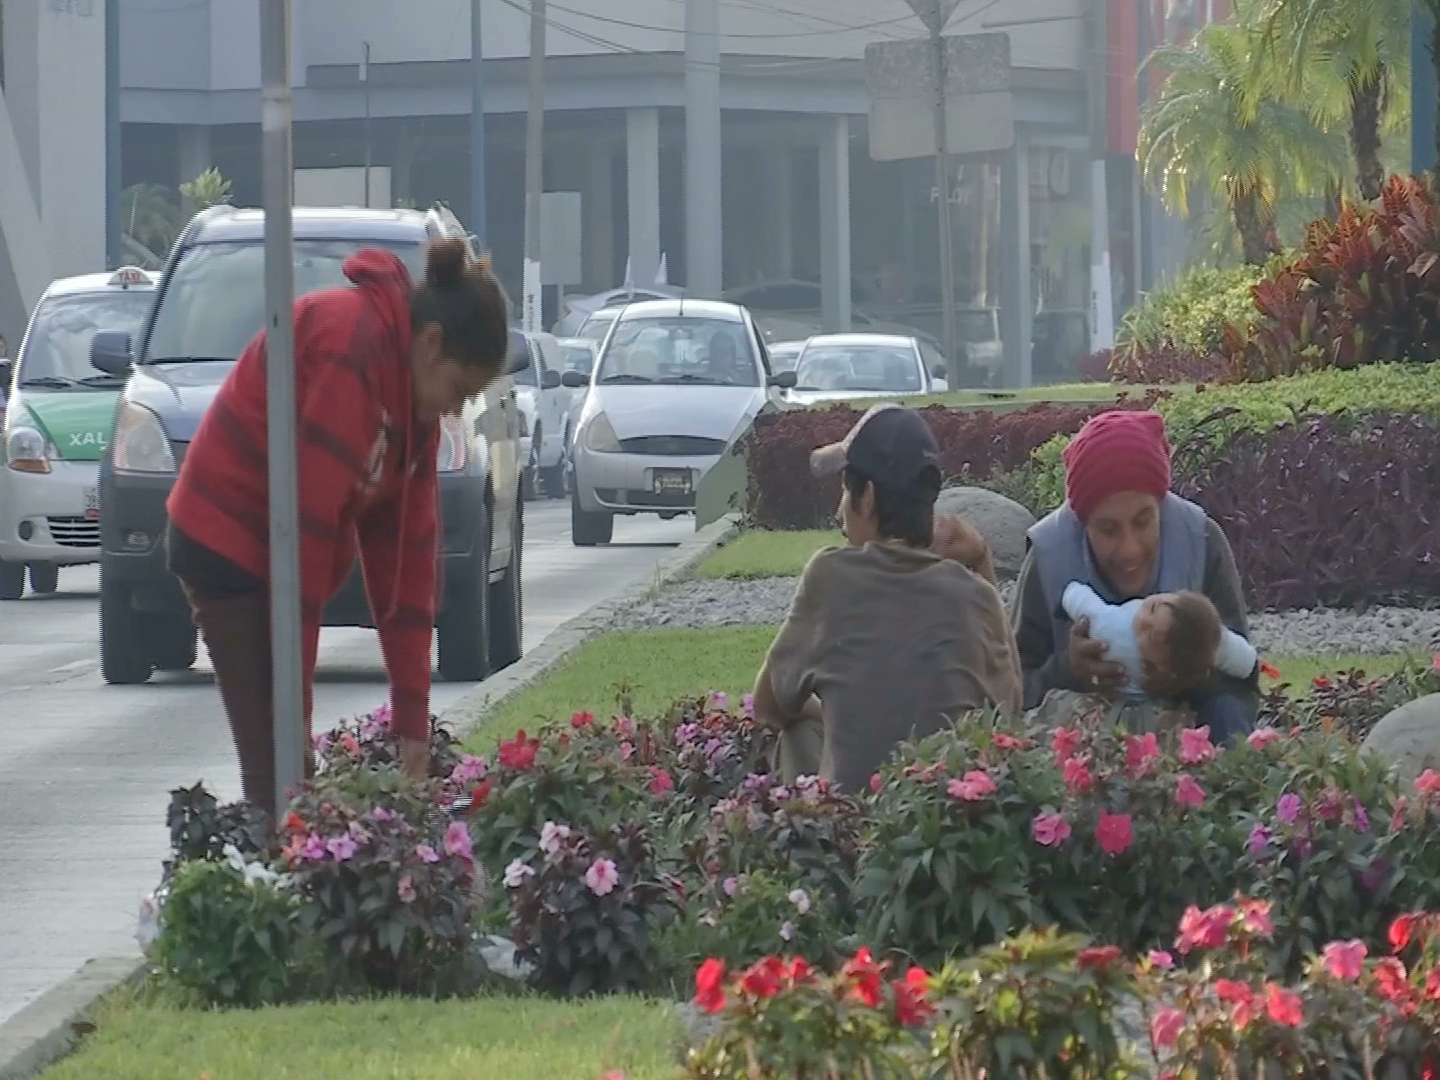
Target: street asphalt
(85,768)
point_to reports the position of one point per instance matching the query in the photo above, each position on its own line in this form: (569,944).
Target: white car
(57,426)
(676,383)
(842,367)
(544,417)
(785,355)
(597,324)
(578,308)
(578,355)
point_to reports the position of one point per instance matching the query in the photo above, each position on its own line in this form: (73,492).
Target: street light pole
(534,167)
(365,78)
(942,198)
(275,118)
(477,126)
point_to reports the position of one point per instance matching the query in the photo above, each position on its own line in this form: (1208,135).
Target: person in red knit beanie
(1124,533)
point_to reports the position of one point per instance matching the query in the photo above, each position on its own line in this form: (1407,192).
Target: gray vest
(1062,555)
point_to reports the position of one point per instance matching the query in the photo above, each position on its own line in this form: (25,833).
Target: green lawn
(1298,671)
(1008,399)
(761,553)
(484,1039)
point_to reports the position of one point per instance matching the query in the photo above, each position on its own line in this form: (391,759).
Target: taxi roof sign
(130,275)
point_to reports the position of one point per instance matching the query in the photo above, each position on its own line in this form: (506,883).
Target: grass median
(519,1038)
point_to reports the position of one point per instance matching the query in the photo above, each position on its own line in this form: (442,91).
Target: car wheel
(44,578)
(507,605)
(124,656)
(463,627)
(174,644)
(554,478)
(589,528)
(529,479)
(12,580)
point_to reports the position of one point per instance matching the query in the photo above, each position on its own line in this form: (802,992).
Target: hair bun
(445,263)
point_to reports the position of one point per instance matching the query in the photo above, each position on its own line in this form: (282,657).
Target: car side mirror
(939,371)
(574,380)
(552,380)
(786,380)
(111,352)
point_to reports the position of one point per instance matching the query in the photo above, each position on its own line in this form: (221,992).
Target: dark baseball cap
(891,445)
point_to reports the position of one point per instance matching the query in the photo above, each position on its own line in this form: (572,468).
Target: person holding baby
(1131,592)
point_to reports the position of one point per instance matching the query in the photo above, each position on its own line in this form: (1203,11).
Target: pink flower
(1188,792)
(719,699)
(1206,929)
(551,837)
(1428,782)
(1050,829)
(581,720)
(1065,742)
(457,841)
(1077,775)
(627,751)
(1166,1027)
(747,705)
(973,787)
(875,781)
(1114,833)
(1255,918)
(660,782)
(1435,664)
(1287,810)
(602,877)
(1259,837)
(730,885)
(1195,745)
(341,847)
(1141,753)
(405,889)
(427,854)
(470,771)
(625,727)
(1161,959)
(313,849)
(1344,959)
(1263,737)
(349,744)
(1283,1006)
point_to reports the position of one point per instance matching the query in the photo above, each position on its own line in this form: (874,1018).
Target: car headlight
(141,445)
(454,452)
(600,435)
(28,451)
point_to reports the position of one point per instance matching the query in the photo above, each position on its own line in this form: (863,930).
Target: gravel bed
(699,603)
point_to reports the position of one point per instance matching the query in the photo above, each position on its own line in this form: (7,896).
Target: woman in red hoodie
(376,365)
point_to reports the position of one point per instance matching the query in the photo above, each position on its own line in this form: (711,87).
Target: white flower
(787,931)
(149,926)
(233,857)
(801,899)
(517,872)
(551,837)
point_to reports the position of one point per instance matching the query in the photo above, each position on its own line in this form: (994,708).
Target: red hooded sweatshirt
(366,472)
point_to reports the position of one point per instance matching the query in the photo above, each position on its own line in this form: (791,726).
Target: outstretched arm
(1080,601)
(1237,657)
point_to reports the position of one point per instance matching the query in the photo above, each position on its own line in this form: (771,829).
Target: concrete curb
(49,1027)
(470,711)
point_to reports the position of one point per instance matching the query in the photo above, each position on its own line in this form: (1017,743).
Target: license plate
(672,482)
(92,504)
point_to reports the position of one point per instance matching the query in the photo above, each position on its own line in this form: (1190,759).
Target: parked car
(784,355)
(578,308)
(210,305)
(544,414)
(578,355)
(839,367)
(597,324)
(794,304)
(677,381)
(57,425)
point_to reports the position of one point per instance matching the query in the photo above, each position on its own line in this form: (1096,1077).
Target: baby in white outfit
(1174,634)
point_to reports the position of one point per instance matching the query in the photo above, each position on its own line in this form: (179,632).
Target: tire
(507,605)
(589,528)
(44,578)
(554,478)
(463,628)
(174,644)
(12,580)
(124,655)
(530,478)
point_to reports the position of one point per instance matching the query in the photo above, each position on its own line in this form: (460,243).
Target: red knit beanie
(1121,450)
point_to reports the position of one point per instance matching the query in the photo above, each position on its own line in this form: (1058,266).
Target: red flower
(875,781)
(1114,833)
(1283,1006)
(1077,775)
(1141,753)
(1255,917)
(911,1007)
(865,977)
(1270,671)
(1204,929)
(1402,929)
(294,823)
(1065,742)
(350,746)
(1391,979)
(520,752)
(1188,793)
(660,782)
(479,793)
(1195,746)
(1344,959)
(1165,1028)
(1428,782)
(1239,995)
(1321,682)
(1099,958)
(710,985)
(765,978)
(1010,742)
(581,720)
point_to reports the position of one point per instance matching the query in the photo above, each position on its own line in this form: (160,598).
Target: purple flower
(787,931)
(720,699)
(381,814)
(625,727)
(1375,874)
(341,847)
(686,734)
(756,781)
(313,849)
(730,885)
(427,854)
(457,841)
(321,743)
(1287,810)
(1259,838)
(747,704)
(406,889)
(1362,819)
(471,770)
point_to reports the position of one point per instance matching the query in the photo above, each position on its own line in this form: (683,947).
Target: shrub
(1190,314)
(200,828)
(1165,363)
(1364,289)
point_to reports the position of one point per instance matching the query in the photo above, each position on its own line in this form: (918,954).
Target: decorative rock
(499,956)
(1003,522)
(1409,738)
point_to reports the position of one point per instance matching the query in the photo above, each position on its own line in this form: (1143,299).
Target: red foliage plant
(1165,363)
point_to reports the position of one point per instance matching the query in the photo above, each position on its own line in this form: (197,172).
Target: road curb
(471,711)
(49,1027)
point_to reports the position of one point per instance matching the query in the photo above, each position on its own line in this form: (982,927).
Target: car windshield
(597,326)
(57,349)
(578,358)
(784,357)
(214,303)
(680,349)
(869,368)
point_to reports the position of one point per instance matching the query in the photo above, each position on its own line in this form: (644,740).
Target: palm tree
(151,216)
(1349,61)
(208,189)
(1205,131)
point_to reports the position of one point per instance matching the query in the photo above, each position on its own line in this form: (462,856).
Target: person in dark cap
(886,639)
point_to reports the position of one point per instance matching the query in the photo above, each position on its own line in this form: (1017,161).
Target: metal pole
(1102,302)
(704,162)
(365,78)
(275,116)
(947,233)
(534,166)
(477,126)
(113,252)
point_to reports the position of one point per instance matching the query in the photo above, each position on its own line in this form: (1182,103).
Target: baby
(1171,634)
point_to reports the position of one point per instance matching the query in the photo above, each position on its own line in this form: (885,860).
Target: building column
(704,256)
(835,224)
(194,155)
(401,188)
(599,211)
(642,143)
(780,204)
(1016,303)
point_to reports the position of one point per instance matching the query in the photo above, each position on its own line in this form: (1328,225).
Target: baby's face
(1152,633)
